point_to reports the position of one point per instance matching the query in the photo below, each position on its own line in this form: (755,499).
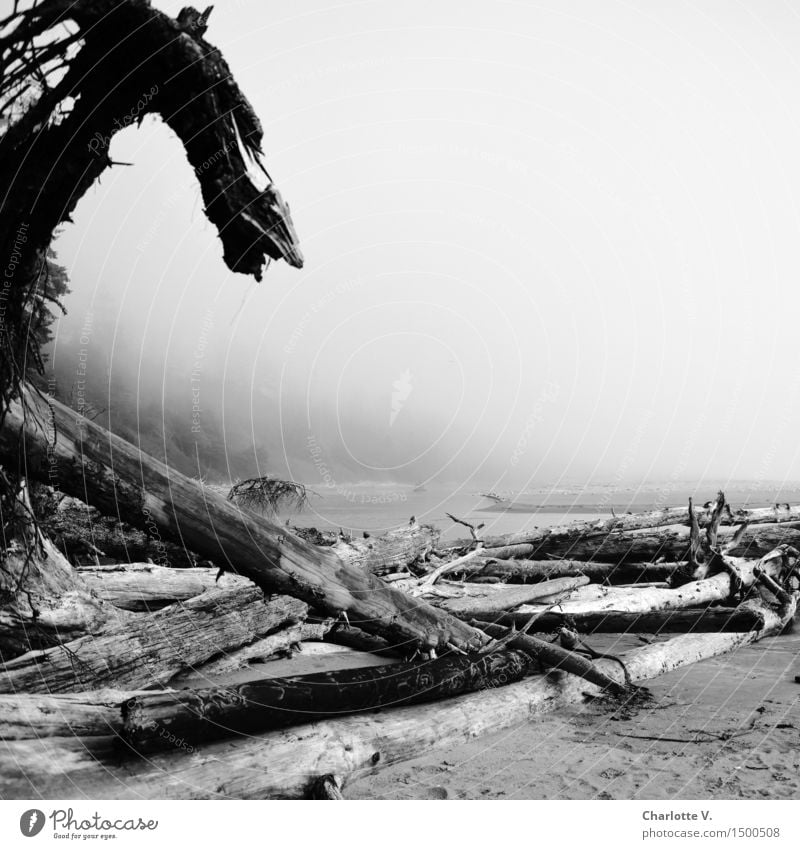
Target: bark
(717,588)
(487,606)
(712,620)
(118,479)
(355,638)
(551,656)
(144,587)
(146,651)
(347,748)
(155,720)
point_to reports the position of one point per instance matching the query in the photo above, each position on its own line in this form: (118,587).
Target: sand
(726,728)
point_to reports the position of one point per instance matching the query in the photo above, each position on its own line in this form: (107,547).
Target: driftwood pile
(146,679)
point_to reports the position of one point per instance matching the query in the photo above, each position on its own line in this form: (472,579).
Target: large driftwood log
(144,587)
(551,656)
(283,764)
(146,651)
(778,513)
(489,605)
(281,642)
(152,720)
(82,533)
(671,544)
(390,551)
(117,478)
(713,620)
(95,713)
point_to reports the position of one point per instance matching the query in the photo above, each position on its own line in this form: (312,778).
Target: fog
(544,243)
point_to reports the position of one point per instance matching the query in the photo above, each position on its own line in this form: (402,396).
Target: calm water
(378,508)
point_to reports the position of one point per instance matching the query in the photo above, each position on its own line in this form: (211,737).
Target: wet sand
(725,728)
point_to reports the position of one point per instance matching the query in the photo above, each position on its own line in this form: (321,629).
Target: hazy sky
(543,240)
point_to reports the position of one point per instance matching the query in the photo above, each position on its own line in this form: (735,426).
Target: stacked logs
(137,666)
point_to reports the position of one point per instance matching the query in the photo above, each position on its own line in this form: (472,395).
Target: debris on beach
(326,657)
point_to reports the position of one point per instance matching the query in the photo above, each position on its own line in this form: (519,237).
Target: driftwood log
(717,588)
(488,605)
(670,544)
(628,522)
(148,650)
(282,642)
(197,716)
(113,475)
(59,147)
(284,764)
(546,570)
(714,620)
(55,604)
(145,587)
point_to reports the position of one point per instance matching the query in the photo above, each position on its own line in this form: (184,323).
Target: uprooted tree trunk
(87,461)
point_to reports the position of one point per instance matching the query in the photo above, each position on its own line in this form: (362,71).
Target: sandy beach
(725,728)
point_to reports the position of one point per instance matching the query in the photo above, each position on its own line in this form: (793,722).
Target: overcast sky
(543,241)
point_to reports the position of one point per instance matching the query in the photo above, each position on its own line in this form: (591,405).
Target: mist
(543,244)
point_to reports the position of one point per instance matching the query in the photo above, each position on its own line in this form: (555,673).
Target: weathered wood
(717,588)
(355,638)
(642,521)
(55,604)
(551,656)
(487,606)
(146,651)
(118,479)
(144,587)
(546,570)
(390,551)
(285,640)
(282,764)
(671,544)
(712,620)
(151,720)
